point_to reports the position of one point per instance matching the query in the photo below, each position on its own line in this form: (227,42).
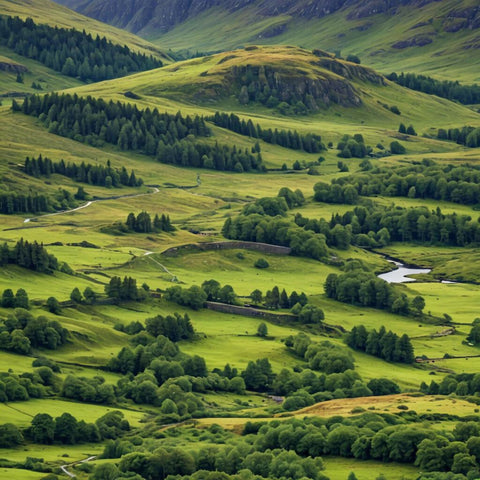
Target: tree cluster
(275,299)
(142,223)
(311,142)
(352,146)
(175,327)
(66,429)
(33,256)
(21,331)
(277,231)
(84,173)
(458,184)
(125,290)
(70,52)
(359,287)
(19,300)
(466,94)
(468,136)
(382,344)
(14,388)
(460,384)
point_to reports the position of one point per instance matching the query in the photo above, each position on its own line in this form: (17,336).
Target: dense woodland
(84,173)
(311,142)
(170,138)
(466,94)
(458,184)
(70,52)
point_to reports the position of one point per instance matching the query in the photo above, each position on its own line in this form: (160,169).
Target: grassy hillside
(449,55)
(53,14)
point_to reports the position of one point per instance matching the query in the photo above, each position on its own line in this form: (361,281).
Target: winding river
(399,275)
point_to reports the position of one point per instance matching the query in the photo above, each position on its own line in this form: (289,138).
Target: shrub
(261,263)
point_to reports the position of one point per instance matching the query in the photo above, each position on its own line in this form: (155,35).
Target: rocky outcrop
(12,67)
(416,41)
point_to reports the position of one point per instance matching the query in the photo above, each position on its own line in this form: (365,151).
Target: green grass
(21,413)
(337,468)
(38,73)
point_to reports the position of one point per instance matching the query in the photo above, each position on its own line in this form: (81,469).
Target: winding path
(163,267)
(63,468)
(91,202)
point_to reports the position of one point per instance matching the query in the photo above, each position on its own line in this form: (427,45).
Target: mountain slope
(48,12)
(435,37)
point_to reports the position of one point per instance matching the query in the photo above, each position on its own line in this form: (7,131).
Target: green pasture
(21,413)
(18,474)
(236,268)
(459,300)
(56,454)
(337,468)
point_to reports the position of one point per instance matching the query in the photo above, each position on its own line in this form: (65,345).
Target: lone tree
(262,330)
(418,303)
(256,296)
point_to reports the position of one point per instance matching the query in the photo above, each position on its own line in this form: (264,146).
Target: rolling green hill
(435,38)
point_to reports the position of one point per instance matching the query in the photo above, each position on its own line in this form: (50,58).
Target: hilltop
(424,36)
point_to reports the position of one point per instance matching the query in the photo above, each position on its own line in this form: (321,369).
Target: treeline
(466,94)
(458,184)
(169,138)
(84,173)
(21,332)
(360,287)
(66,429)
(374,226)
(12,202)
(311,143)
(33,256)
(142,223)
(19,300)
(70,52)
(460,384)
(382,344)
(468,136)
